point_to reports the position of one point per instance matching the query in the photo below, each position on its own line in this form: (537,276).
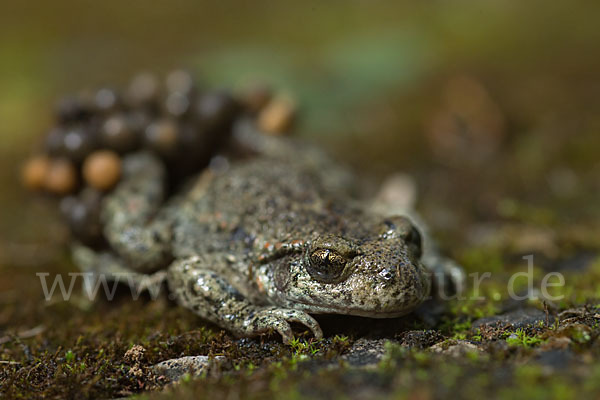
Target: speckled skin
(267,242)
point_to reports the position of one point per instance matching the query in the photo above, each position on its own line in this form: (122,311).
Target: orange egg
(60,177)
(102,169)
(34,172)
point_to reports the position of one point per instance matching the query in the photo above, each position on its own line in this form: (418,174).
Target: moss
(520,337)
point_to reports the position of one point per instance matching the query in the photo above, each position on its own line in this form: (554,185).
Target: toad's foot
(197,286)
(278,319)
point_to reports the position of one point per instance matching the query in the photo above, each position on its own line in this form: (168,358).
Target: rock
(420,339)
(556,343)
(557,359)
(517,318)
(455,348)
(366,352)
(174,369)
(578,333)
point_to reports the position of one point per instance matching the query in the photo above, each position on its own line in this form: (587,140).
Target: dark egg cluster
(182,122)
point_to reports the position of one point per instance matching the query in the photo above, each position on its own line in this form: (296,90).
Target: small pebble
(34,172)
(60,177)
(102,169)
(277,116)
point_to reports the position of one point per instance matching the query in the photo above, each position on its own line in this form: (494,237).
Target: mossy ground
(76,348)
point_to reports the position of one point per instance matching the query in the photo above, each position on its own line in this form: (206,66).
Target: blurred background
(491,106)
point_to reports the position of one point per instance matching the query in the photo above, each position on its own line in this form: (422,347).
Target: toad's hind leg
(134,225)
(199,288)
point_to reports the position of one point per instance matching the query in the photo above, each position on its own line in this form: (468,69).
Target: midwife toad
(266,242)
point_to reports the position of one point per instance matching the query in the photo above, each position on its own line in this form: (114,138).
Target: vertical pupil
(326,258)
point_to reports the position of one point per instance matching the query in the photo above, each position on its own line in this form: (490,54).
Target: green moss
(520,337)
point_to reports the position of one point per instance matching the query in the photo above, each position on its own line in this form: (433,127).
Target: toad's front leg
(209,295)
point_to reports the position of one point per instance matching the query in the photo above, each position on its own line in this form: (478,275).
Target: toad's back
(256,202)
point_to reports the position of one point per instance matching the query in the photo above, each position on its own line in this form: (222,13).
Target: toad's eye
(326,265)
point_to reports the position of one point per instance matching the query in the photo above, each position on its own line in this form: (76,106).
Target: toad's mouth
(314,308)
